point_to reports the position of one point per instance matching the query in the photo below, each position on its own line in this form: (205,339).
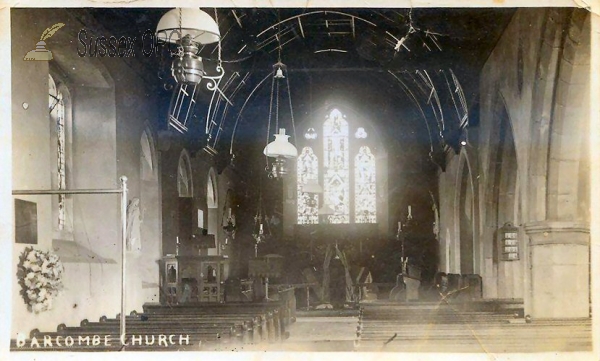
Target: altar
(191,279)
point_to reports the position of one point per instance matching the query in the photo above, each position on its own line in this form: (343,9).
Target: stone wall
(528,164)
(111,107)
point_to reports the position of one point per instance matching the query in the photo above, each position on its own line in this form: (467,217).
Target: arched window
(184,176)
(308,168)
(57,105)
(211,195)
(348,174)
(148,171)
(365,210)
(336,167)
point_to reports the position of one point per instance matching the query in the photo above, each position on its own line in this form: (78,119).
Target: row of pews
(447,327)
(189,327)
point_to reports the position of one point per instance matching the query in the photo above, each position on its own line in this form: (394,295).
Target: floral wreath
(40,276)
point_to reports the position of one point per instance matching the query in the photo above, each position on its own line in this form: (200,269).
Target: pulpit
(190,279)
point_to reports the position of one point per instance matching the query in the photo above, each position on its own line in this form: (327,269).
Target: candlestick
(399,226)
(409,212)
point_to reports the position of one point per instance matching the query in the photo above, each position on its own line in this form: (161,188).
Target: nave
(463,327)
(327,179)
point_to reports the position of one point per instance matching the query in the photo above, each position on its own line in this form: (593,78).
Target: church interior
(301,179)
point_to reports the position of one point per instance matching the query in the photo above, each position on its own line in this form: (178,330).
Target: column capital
(557,232)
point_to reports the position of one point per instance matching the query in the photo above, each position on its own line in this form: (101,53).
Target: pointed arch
(212,200)
(59,105)
(148,155)
(185,186)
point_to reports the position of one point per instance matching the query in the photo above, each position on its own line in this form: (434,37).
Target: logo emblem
(40,53)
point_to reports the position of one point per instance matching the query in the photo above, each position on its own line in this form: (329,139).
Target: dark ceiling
(413,73)
(346,52)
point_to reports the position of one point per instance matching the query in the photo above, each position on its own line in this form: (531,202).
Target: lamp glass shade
(202,28)
(326,210)
(279,74)
(312,186)
(310,134)
(281,147)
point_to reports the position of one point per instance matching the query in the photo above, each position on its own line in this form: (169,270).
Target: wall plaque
(26,222)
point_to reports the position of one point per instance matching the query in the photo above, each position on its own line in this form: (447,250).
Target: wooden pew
(444,328)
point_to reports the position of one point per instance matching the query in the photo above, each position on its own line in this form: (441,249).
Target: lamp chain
(180,26)
(277,36)
(180,47)
(277,107)
(287,79)
(219,43)
(269,122)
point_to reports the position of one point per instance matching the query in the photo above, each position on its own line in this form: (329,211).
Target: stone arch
(150,214)
(212,206)
(212,196)
(62,205)
(467,249)
(569,127)
(504,201)
(185,184)
(148,157)
(561,224)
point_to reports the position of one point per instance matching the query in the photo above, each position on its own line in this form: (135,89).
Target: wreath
(40,276)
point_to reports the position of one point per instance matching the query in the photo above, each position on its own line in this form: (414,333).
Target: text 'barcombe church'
(103,340)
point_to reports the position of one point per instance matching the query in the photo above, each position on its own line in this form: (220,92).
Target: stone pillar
(559,265)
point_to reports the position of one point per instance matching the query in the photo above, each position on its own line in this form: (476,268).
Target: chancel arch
(150,216)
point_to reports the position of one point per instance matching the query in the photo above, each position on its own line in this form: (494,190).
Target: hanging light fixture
(312,188)
(311,134)
(279,66)
(229,224)
(280,149)
(326,210)
(189,29)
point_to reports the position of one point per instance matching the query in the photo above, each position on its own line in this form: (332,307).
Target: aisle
(321,334)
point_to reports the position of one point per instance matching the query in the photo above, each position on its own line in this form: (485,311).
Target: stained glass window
(308,205)
(57,115)
(336,166)
(365,210)
(348,176)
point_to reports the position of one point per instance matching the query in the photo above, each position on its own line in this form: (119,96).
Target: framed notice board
(508,242)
